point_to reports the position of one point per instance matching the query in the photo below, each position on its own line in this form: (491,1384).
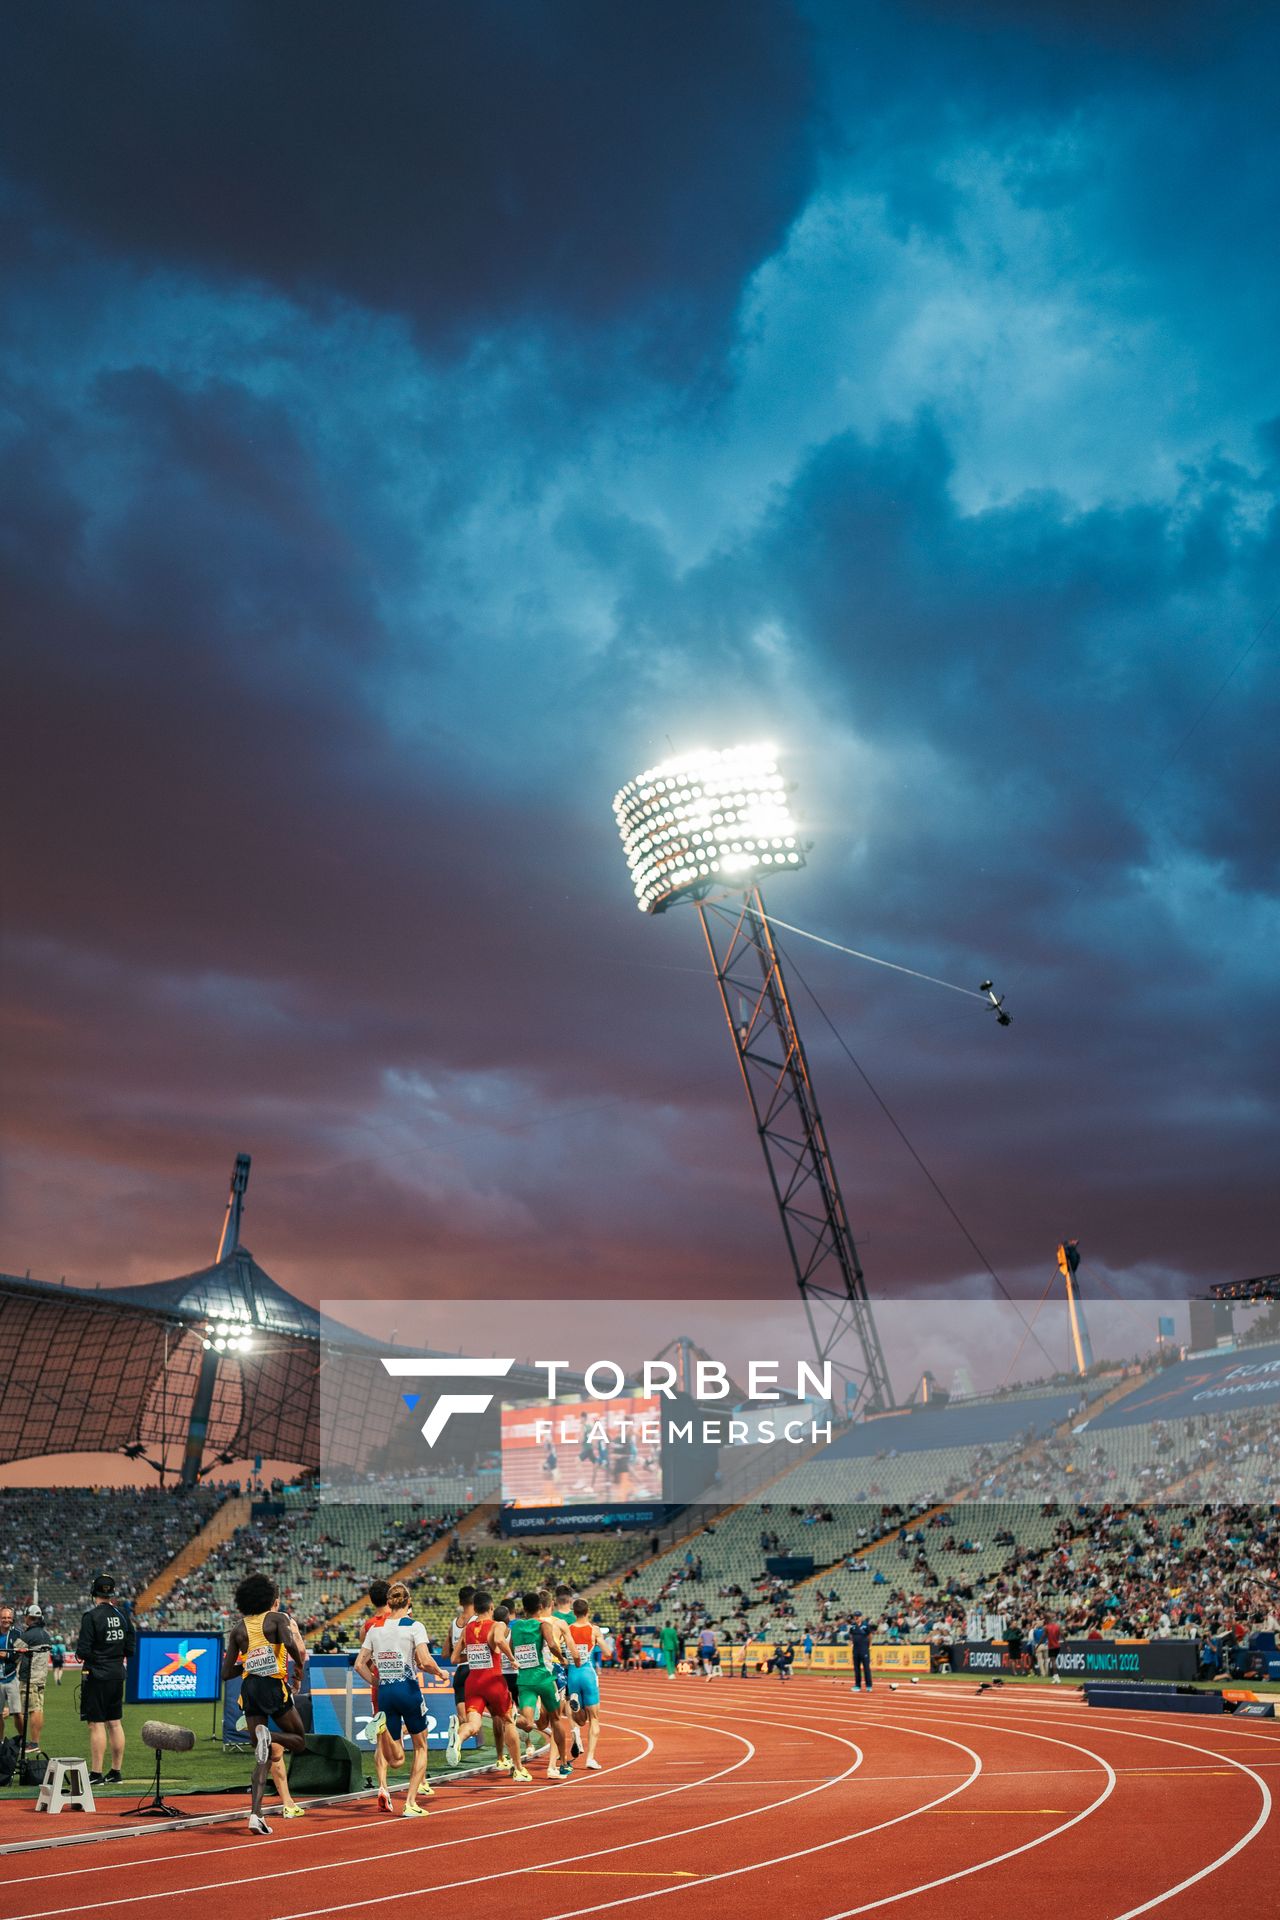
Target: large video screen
(566,1453)
(175,1666)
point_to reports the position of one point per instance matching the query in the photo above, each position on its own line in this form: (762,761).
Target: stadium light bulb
(703,814)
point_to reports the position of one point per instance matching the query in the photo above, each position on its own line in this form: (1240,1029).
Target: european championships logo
(604,1380)
(179,1675)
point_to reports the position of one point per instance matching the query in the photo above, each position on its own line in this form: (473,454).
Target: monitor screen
(176,1666)
(582,1452)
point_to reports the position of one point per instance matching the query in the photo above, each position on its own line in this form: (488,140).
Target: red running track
(738,1799)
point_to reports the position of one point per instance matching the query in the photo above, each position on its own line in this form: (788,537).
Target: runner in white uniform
(397,1651)
(454,1649)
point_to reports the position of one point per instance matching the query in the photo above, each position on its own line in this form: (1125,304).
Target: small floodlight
(703,820)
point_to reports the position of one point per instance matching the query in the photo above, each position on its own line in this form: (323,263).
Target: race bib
(390,1667)
(262,1660)
(478,1654)
(527,1657)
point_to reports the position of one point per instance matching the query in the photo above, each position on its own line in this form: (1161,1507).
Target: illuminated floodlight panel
(703,820)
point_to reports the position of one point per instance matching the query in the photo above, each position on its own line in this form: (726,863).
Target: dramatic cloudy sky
(414,418)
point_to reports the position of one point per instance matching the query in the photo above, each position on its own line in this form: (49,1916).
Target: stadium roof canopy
(113,1368)
(98,1371)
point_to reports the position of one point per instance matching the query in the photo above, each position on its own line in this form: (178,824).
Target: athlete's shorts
(460,1682)
(264,1697)
(488,1691)
(10,1695)
(584,1686)
(538,1688)
(102,1696)
(403,1706)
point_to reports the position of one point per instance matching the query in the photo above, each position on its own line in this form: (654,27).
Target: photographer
(32,1643)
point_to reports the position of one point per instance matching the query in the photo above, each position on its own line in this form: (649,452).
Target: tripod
(156,1804)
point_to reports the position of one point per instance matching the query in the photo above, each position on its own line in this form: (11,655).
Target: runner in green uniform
(537,1641)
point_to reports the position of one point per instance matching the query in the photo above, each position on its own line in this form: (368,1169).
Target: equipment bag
(330,1764)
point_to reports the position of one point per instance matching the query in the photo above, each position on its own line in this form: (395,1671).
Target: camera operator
(105,1642)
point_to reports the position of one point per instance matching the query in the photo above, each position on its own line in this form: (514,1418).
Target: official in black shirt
(105,1642)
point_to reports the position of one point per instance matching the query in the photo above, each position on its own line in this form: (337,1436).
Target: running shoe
(113,1776)
(559,1773)
(376,1728)
(294,1812)
(453,1746)
(96,1779)
(257,1824)
(385,1802)
(262,1744)
(522,1774)
(504,1763)
(593,1765)
(412,1811)
(242,1725)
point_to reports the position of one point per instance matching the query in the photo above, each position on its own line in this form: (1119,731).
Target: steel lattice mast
(775,1072)
(690,829)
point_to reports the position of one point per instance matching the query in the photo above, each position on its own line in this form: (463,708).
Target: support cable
(880,1102)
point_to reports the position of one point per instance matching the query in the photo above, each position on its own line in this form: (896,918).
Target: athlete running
(484,1641)
(505,1615)
(563,1612)
(538,1640)
(453,1648)
(394,1653)
(584,1681)
(261,1644)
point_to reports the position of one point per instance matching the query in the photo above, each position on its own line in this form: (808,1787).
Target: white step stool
(65,1784)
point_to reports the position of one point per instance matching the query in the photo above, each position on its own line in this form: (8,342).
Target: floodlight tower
(704,827)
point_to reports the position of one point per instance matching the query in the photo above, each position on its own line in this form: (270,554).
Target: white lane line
(1187,1746)
(386,1853)
(627,1846)
(467,1800)
(1191,1880)
(824,1846)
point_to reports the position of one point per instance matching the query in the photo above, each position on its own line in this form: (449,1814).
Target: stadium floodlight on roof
(705,827)
(705,819)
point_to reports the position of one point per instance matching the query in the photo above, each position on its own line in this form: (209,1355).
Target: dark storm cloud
(463,165)
(328,661)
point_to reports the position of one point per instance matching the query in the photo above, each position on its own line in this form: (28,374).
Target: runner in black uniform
(105,1641)
(261,1644)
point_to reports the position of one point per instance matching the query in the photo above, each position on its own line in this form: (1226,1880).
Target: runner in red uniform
(484,1642)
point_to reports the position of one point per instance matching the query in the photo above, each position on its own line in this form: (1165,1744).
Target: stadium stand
(57,1538)
(322,1554)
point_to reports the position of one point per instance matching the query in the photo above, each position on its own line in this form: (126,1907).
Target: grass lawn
(206,1765)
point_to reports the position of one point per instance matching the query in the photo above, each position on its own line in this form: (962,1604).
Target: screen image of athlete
(261,1645)
(538,1641)
(584,1680)
(393,1653)
(484,1641)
